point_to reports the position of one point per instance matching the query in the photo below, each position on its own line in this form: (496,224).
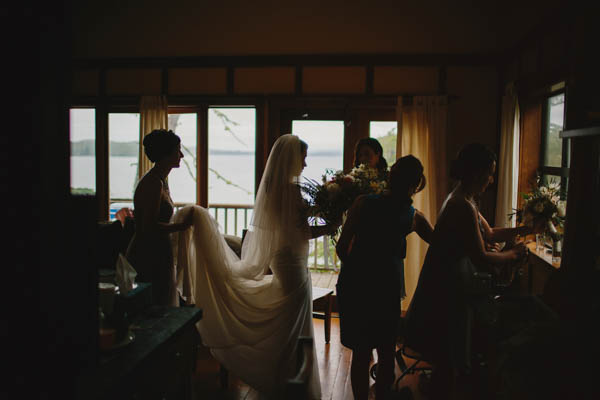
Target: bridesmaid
(369,151)
(150,251)
(372,247)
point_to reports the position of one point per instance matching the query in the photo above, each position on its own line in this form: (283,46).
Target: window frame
(563,171)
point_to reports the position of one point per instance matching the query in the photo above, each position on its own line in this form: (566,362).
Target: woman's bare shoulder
(459,206)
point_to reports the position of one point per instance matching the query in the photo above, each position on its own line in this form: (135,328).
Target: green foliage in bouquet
(332,197)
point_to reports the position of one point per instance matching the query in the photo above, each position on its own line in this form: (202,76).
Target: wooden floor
(334,369)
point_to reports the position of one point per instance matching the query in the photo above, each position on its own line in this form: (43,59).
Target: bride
(252,318)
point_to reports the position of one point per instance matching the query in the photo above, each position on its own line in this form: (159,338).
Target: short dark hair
(376,147)
(160,143)
(405,173)
(471,161)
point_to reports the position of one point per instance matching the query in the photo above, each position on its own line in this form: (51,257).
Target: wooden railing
(234,218)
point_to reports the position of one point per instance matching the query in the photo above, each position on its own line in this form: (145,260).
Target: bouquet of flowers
(332,197)
(543,205)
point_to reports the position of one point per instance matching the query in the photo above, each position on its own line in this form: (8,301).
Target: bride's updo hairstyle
(160,143)
(406,173)
(473,160)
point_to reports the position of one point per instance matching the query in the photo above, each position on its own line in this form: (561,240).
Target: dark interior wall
(474,118)
(144,28)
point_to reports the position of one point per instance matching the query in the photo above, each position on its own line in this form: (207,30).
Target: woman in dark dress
(437,319)
(370,286)
(150,252)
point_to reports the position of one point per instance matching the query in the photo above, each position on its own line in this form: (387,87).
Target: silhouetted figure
(150,251)
(370,286)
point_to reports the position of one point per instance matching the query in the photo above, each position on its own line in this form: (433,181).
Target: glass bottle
(556,250)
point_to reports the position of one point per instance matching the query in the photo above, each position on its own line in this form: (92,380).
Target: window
(123,135)
(325,141)
(182,180)
(231,165)
(555,151)
(82,132)
(385,132)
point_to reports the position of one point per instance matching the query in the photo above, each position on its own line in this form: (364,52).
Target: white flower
(544,190)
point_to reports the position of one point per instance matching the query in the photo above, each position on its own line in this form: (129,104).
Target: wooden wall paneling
(369,78)
(197,81)
(134,81)
(85,82)
(529,147)
(265,80)
(164,81)
(472,117)
(332,79)
(230,81)
(405,80)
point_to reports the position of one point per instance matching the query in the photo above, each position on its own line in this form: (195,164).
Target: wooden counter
(158,364)
(540,267)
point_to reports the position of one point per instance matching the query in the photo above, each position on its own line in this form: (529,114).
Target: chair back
(297,387)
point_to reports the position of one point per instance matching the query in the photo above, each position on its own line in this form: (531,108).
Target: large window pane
(385,132)
(123,135)
(82,132)
(325,141)
(555,121)
(231,162)
(182,180)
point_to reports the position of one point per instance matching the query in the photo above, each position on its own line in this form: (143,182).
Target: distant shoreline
(130,149)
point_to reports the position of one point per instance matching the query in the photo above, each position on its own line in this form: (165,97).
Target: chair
(419,363)
(296,388)
(325,295)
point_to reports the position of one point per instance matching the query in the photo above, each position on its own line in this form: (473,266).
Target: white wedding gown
(252,319)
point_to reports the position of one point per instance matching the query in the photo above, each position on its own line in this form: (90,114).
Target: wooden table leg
(328,302)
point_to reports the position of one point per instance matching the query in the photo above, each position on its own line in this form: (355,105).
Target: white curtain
(422,133)
(508,161)
(153,115)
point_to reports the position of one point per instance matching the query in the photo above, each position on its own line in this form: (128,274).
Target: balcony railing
(234,218)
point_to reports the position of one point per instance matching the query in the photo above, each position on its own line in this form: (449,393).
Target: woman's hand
(519,251)
(493,246)
(188,221)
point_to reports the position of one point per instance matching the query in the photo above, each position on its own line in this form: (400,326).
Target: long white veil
(250,316)
(277,222)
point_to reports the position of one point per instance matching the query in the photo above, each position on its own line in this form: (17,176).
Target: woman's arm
(468,228)
(349,230)
(320,230)
(422,226)
(503,234)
